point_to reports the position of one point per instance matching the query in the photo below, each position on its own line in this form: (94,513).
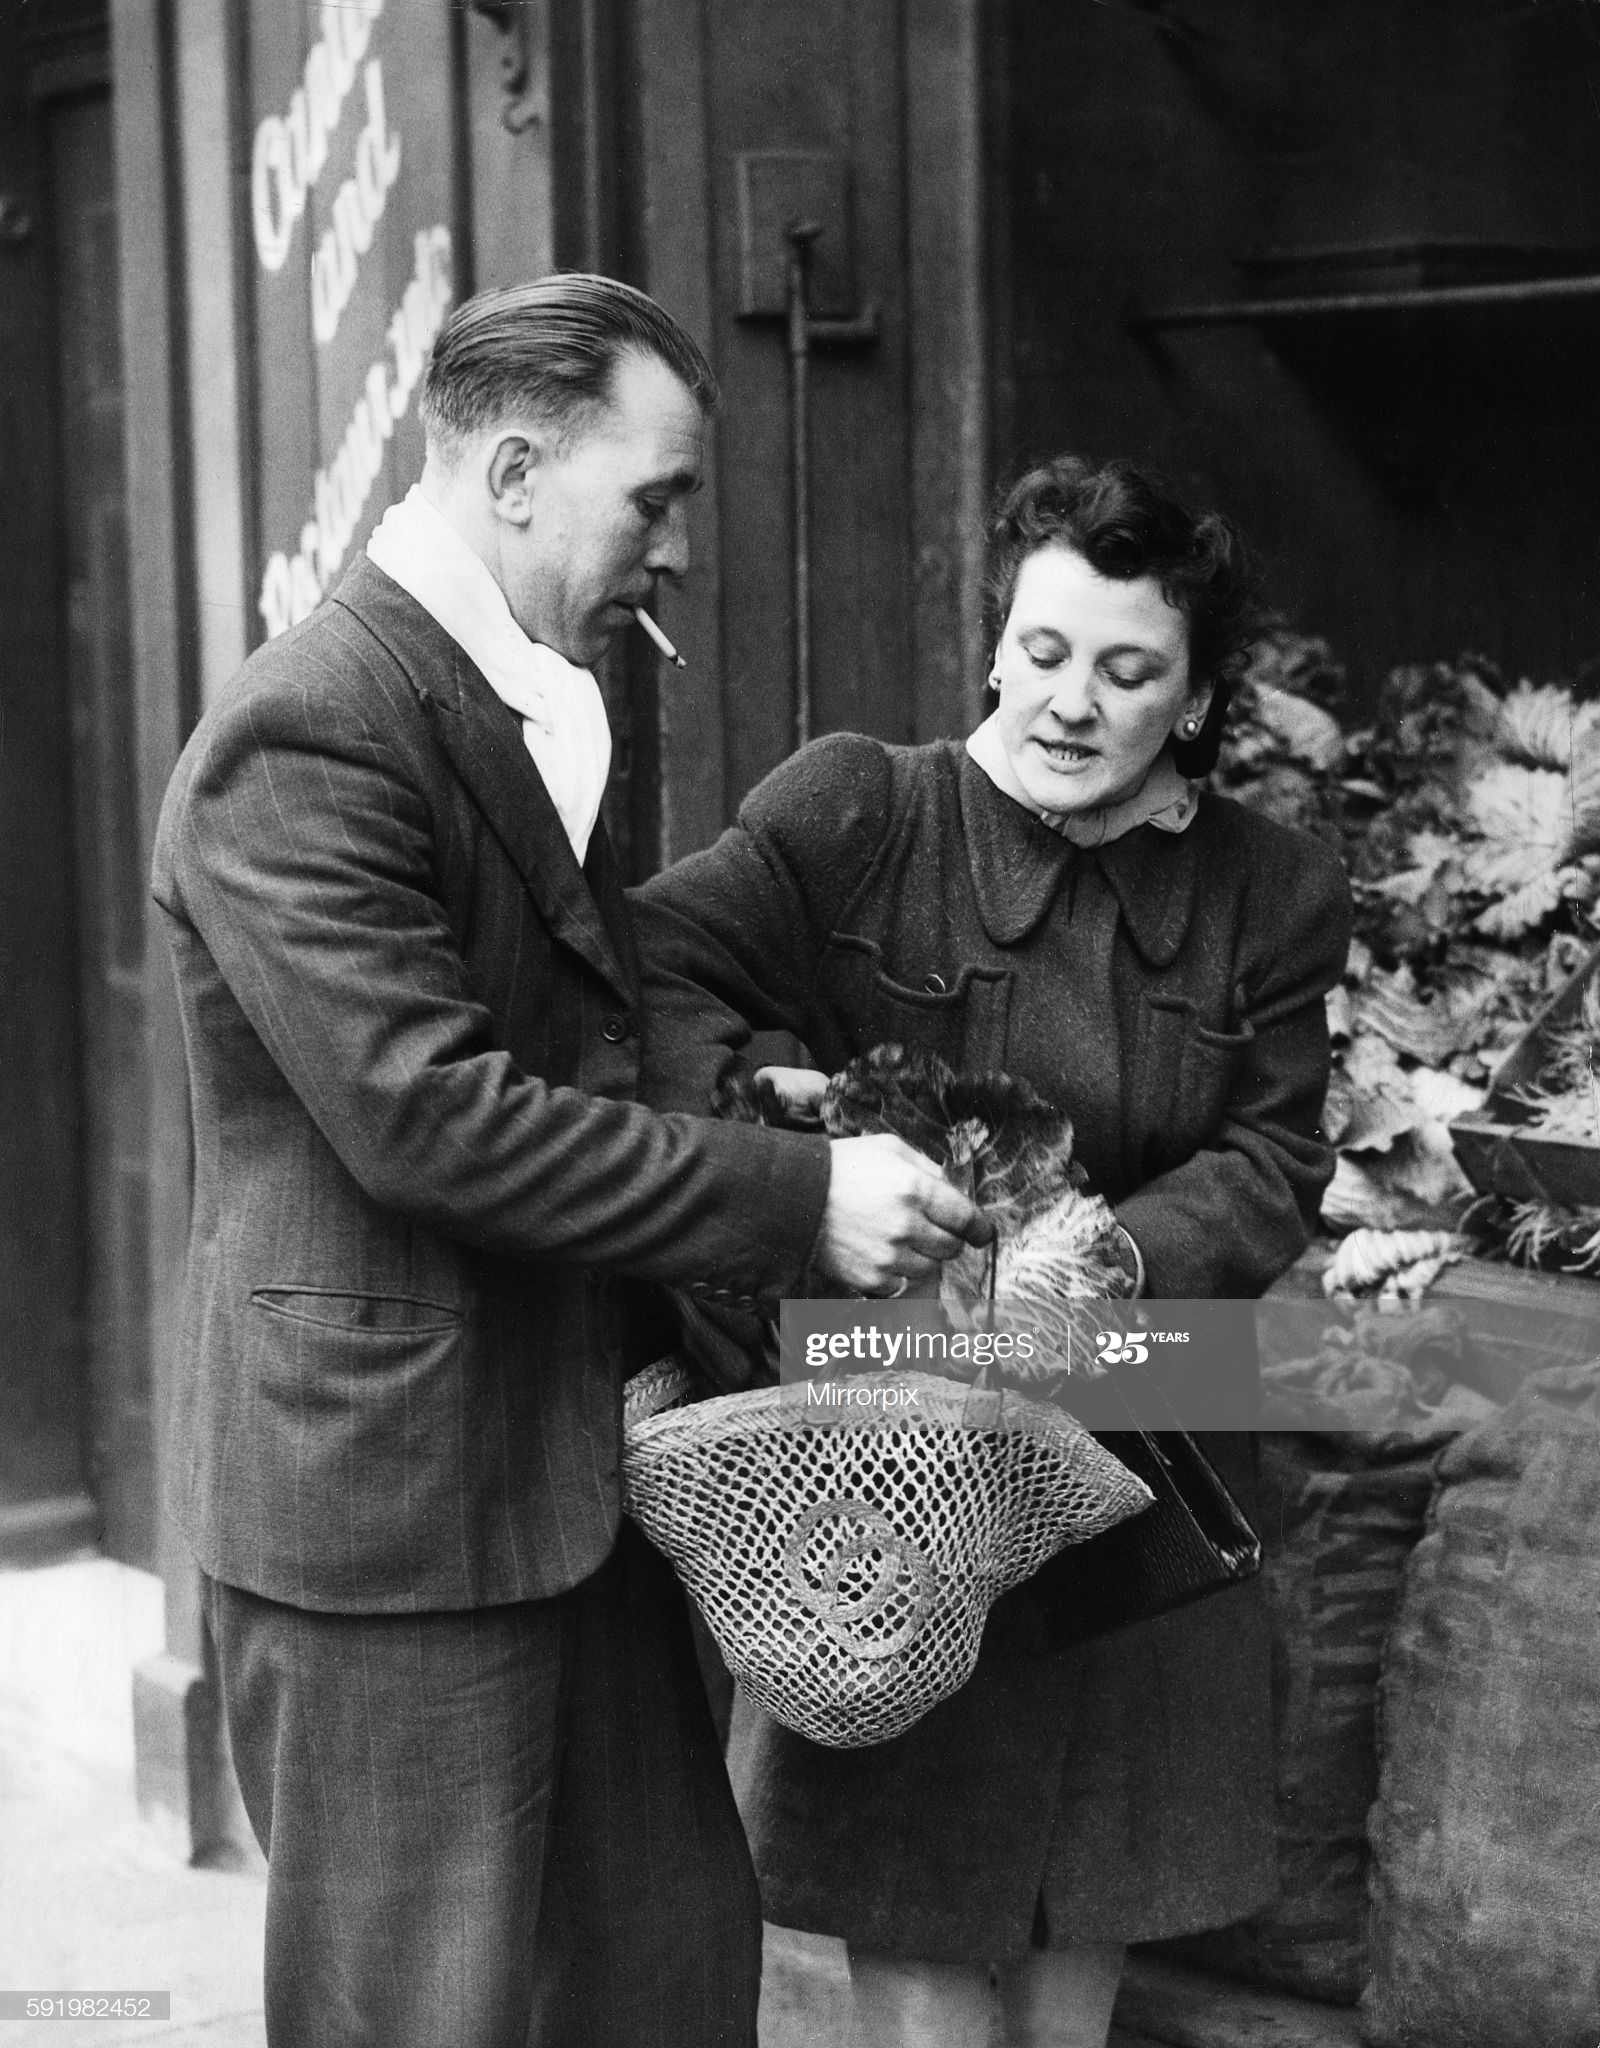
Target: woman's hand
(799,1091)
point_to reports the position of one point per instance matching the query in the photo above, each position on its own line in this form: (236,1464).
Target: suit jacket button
(614,1030)
(935,985)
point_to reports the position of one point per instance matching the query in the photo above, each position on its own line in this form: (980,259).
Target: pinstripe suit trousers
(501,1827)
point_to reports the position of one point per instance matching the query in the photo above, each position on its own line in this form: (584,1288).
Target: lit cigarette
(659,637)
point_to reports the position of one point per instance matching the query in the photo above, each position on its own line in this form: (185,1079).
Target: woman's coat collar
(1017,865)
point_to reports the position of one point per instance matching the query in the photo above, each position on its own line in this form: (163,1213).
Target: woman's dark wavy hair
(1126,524)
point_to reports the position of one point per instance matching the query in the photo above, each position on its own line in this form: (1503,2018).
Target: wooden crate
(1518,1322)
(1497,1151)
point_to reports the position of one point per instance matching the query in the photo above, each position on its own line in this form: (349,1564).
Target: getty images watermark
(1112,1368)
(1276,1364)
(1024,1348)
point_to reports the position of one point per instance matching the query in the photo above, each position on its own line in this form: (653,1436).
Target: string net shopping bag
(846,1563)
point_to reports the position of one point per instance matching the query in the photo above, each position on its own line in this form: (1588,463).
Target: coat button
(935,985)
(614,1030)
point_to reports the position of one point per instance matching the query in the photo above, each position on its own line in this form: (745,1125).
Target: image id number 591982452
(85,2005)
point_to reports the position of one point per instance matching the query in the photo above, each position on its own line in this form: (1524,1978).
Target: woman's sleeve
(730,939)
(1239,1212)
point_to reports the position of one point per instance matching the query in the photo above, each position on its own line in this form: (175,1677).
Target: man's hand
(891,1218)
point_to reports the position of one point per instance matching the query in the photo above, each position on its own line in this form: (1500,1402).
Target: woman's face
(1094,679)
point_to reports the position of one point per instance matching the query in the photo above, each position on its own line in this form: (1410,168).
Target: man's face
(609,514)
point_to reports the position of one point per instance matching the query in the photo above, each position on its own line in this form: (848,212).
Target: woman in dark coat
(1056,899)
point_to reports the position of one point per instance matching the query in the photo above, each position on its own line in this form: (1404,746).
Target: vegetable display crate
(1499,1153)
(1519,1322)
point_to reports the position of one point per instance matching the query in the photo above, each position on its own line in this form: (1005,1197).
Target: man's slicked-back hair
(550,350)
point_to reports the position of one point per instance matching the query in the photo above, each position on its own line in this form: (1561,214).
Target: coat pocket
(1186,1073)
(957,1010)
(1213,1061)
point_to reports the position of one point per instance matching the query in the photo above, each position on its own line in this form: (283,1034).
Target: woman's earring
(1189,727)
(994,681)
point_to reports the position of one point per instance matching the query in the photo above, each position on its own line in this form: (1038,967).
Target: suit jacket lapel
(483,740)
(605,886)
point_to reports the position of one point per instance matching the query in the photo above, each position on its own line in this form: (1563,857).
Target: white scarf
(1164,799)
(564,724)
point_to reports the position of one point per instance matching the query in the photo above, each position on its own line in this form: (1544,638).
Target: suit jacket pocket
(366,1451)
(358,1313)
(373,1361)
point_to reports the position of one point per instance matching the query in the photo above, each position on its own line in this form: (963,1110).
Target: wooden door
(877,112)
(818,81)
(110,869)
(43,1397)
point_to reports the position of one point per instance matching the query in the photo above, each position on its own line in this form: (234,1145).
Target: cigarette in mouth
(659,637)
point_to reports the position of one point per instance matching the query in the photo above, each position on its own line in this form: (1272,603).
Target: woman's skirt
(1114,1790)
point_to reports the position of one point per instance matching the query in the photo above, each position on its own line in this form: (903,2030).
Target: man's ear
(513,460)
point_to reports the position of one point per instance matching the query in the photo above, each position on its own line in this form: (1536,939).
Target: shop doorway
(76,1451)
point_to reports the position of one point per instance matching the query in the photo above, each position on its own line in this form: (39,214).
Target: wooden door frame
(950,148)
(175,140)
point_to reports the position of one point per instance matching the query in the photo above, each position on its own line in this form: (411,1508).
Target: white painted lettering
(404,355)
(357,208)
(277,596)
(353,225)
(379,404)
(292,588)
(290,150)
(341,58)
(271,175)
(323,103)
(304,593)
(298,123)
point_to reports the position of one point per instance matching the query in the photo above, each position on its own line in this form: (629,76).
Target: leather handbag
(1193,1540)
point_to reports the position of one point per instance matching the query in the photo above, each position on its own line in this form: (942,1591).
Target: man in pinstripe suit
(464,1706)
